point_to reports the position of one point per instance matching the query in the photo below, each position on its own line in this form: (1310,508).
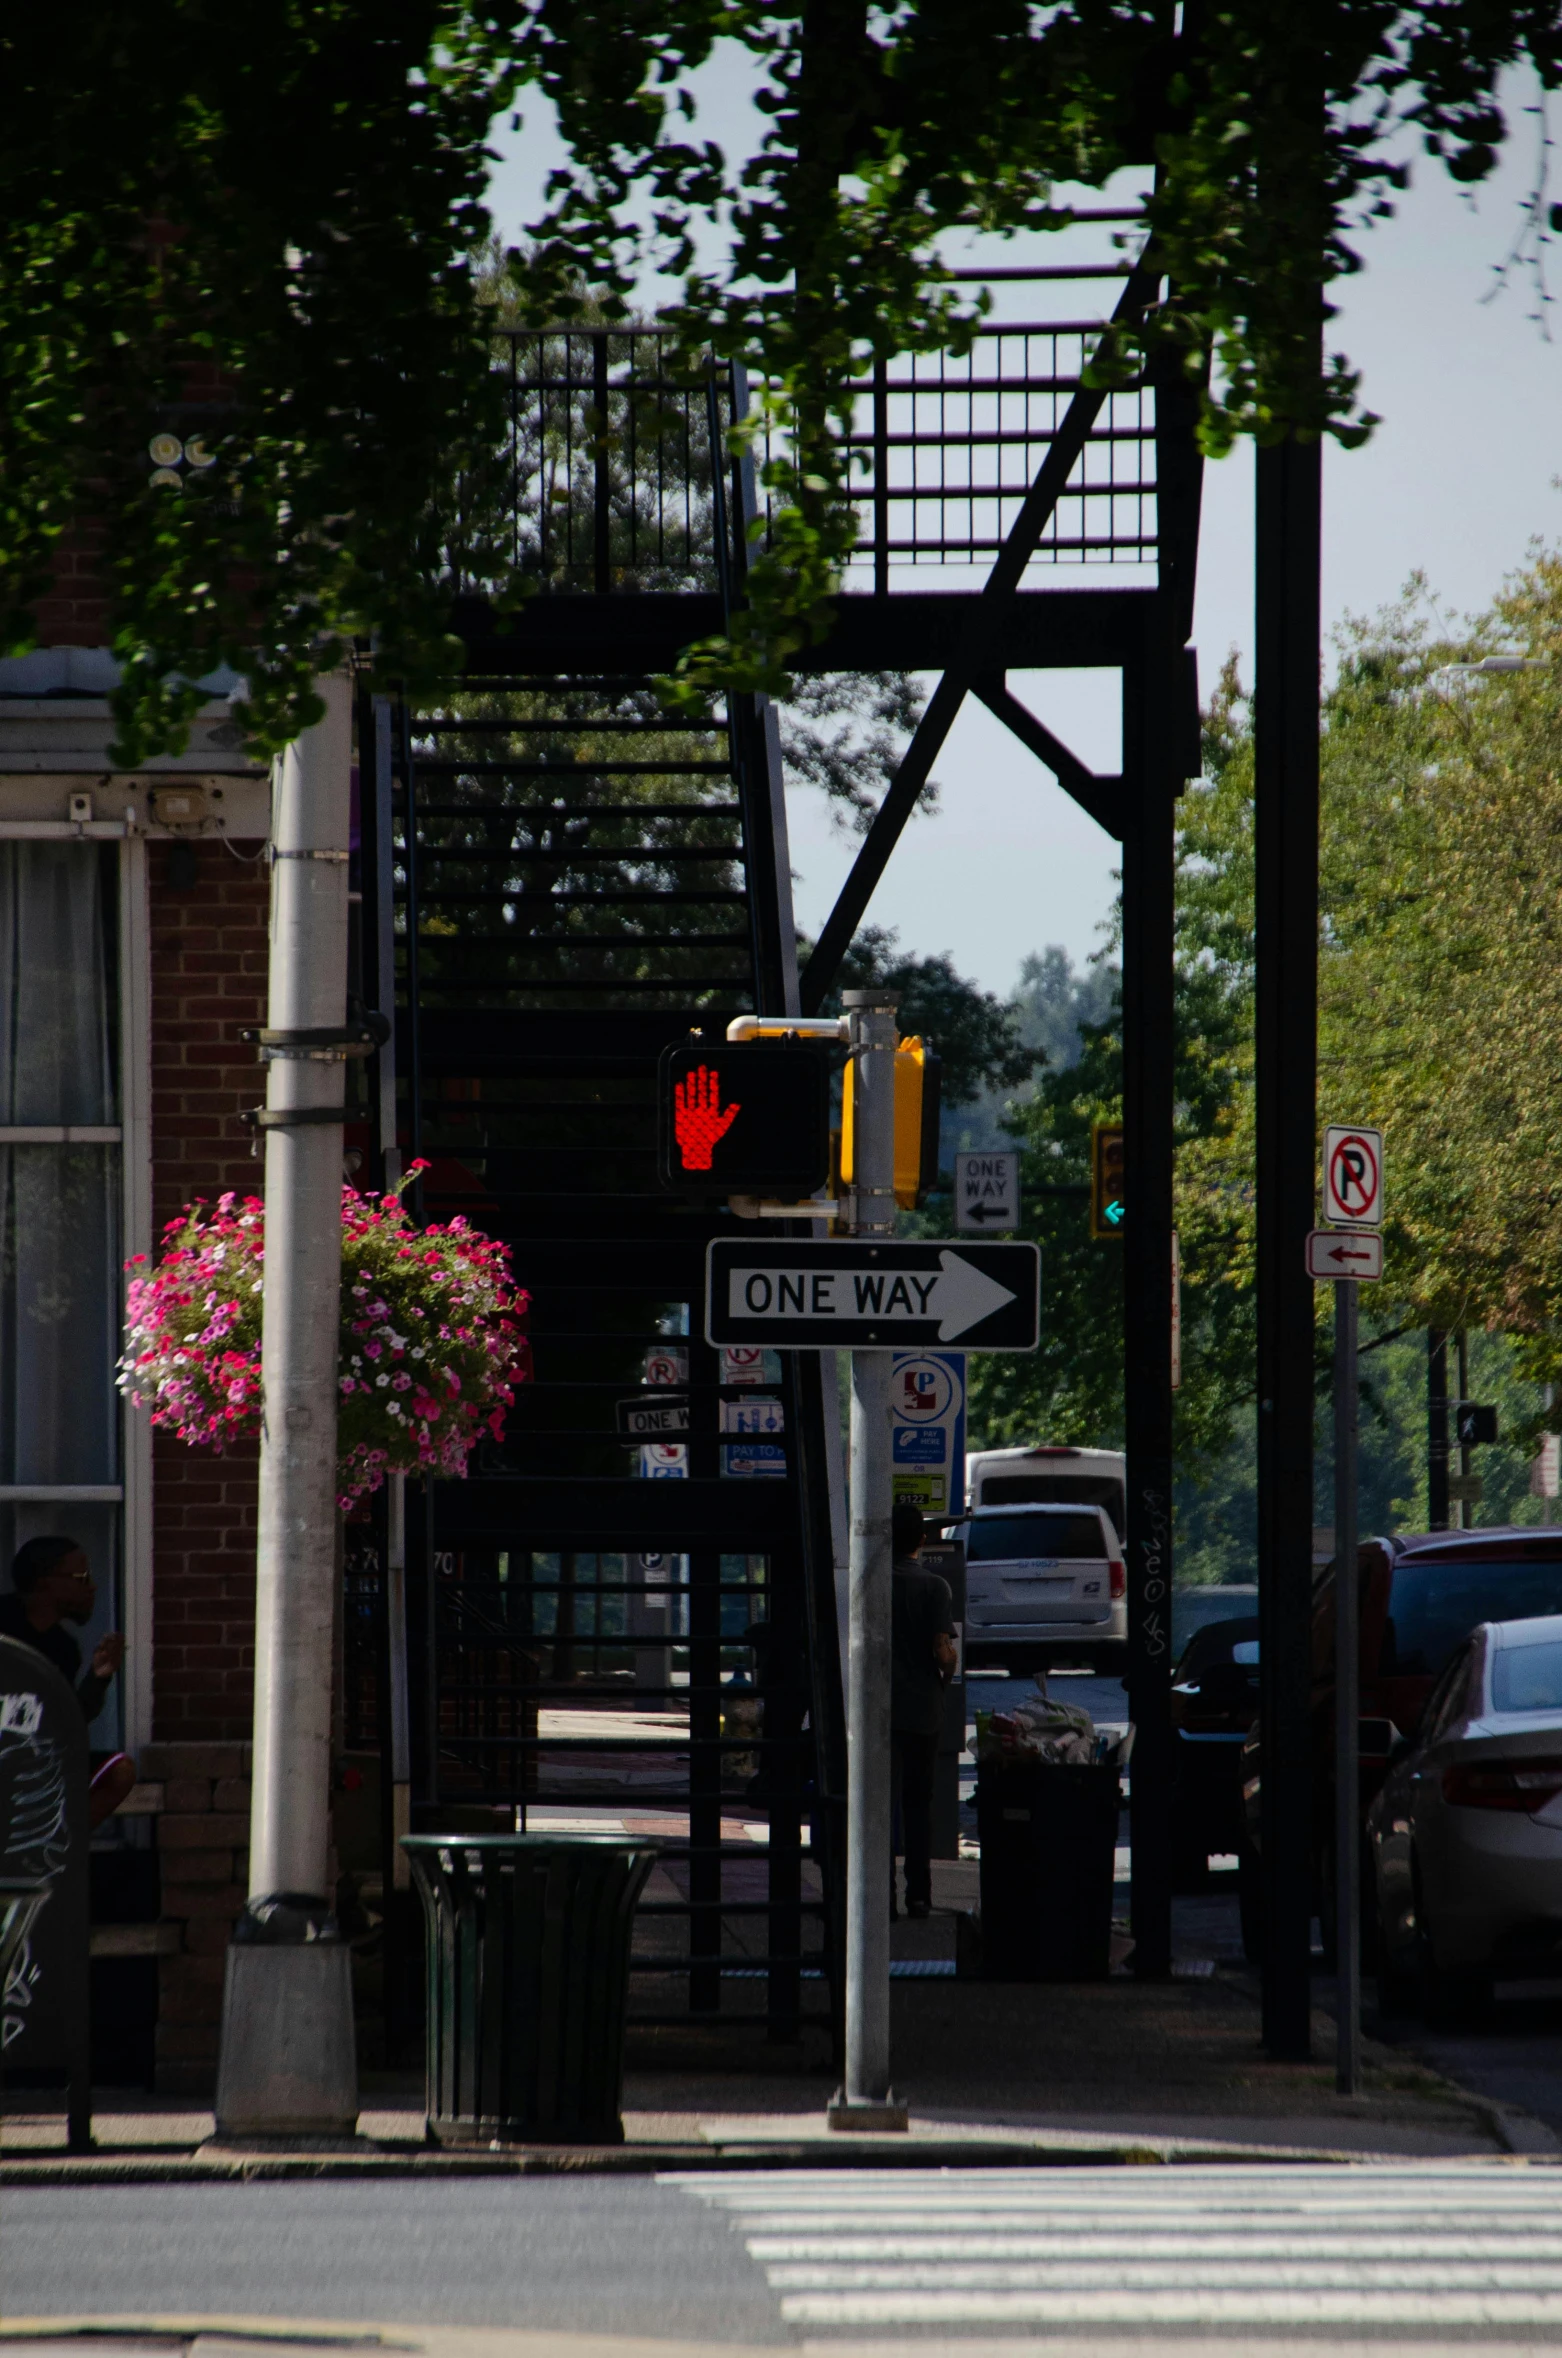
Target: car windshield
(1527,1678)
(1433,1606)
(1000,1538)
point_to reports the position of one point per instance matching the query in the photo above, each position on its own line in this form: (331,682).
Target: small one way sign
(983,1297)
(987,1193)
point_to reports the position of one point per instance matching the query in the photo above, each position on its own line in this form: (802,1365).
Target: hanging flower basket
(430,1350)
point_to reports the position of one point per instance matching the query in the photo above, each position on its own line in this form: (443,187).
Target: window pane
(1433,1606)
(57,961)
(1528,1678)
(59,1313)
(996,1539)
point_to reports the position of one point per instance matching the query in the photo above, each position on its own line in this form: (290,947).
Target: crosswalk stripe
(1379,2246)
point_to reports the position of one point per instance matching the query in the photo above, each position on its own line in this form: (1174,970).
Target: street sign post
(1352,1176)
(1347,1253)
(855,1295)
(987,1193)
(1355,1256)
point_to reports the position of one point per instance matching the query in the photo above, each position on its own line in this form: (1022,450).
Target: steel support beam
(1286,856)
(1150,789)
(975,657)
(1100,798)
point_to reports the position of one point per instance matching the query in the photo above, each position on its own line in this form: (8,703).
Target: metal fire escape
(577,879)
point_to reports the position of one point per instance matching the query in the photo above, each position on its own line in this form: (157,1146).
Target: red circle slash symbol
(1354,1176)
(698,1119)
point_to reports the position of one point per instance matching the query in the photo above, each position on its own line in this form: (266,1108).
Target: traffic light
(1475,1425)
(1107,1206)
(918,1102)
(748,1120)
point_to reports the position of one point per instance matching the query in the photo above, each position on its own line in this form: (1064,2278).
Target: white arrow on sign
(963,1296)
(1350,1252)
(958,1294)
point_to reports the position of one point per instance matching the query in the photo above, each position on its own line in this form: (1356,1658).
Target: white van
(1052,1477)
(1043,1585)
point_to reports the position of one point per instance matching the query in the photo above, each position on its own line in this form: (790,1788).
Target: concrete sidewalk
(994,2073)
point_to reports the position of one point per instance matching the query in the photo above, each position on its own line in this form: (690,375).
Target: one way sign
(983,1297)
(987,1193)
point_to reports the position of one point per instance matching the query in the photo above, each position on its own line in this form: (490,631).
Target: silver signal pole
(287,2059)
(866,2100)
(1347,1700)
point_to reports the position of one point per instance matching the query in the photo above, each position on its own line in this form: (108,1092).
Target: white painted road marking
(1378,2246)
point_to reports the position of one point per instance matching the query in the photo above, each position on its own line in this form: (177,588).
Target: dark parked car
(1214,1702)
(1419,1598)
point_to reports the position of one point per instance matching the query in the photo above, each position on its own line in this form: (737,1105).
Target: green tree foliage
(1440,1004)
(1072,1390)
(973,1032)
(251,230)
(257,229)
(1275,138)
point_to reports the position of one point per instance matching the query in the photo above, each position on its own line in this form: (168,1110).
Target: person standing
(922,1661)
(51,1584)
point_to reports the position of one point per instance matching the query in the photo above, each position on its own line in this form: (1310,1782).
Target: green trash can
(527,1939)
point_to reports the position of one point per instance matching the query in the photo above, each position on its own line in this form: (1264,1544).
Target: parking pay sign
(927,1416)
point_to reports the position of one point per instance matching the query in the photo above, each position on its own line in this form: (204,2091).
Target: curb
(249,2168)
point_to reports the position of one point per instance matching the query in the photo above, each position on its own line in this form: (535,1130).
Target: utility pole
(287,2062)
(1286,794)
(865,2100)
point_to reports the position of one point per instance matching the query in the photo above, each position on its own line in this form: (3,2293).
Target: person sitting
(52,1583)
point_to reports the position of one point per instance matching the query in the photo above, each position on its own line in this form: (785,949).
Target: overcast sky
(1457,481)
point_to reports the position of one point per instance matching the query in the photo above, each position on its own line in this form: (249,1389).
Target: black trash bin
(1048,1834)
(527,1939)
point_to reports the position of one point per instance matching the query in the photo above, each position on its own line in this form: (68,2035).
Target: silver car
(1043,1584)
(1466,1832)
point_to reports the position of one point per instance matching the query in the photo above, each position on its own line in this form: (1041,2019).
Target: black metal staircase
(609,1631)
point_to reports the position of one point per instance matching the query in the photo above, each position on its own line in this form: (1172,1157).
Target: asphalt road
(585,2255)
(860,2258)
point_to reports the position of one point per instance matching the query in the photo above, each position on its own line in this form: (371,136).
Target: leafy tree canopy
(255,228)
(974,1033)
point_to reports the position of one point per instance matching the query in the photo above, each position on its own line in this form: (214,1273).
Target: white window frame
(55,785)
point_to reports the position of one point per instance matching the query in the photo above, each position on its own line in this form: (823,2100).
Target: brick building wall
(74,612)
(197,1796)
(208,957)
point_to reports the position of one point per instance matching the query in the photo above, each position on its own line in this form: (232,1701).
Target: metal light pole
(287,2064)
(866,2101)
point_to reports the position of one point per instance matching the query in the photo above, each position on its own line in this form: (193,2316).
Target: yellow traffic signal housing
(918,1101)
(1107,1205)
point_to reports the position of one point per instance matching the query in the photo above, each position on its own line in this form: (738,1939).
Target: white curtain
(59,1205)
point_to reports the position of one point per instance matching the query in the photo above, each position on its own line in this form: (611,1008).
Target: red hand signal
(698,1119)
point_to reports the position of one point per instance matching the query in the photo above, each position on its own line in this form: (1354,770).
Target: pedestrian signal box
(918,1101)
(750,1120)
(1107,1206)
